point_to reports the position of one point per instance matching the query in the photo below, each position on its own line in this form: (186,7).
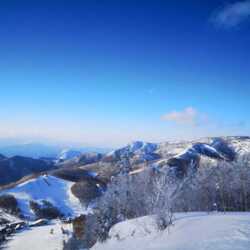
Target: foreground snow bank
(191,231)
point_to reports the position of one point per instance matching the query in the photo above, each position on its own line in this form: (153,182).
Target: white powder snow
(48,237)
(192,231)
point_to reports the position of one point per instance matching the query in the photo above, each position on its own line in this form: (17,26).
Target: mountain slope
(68,154)
(137,151)
(14,168)
(46,187)
(181,155)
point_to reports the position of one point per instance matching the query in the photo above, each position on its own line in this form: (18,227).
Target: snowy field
(47,237)
(191,231)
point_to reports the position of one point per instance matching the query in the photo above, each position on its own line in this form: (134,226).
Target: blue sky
(107,72)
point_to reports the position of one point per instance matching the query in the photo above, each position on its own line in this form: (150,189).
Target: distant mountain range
(39,150)
(20,160)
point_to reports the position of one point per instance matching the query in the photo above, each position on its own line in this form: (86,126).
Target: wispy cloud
(188,116)
(232,14)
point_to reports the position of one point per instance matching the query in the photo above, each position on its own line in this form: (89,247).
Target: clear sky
(104,72)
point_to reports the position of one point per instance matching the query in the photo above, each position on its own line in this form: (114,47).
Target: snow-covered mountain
(218,148)
(68,154)
(181,154)
(95,168)
(137,151)
(87,175)
(46,187)
(176,154)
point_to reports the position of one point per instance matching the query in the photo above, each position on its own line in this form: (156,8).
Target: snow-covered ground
(68,154)
(241,147)
(47,237)
(191,231)
(46,187)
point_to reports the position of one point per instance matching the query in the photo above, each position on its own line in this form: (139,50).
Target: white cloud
(232,14)
(188,116)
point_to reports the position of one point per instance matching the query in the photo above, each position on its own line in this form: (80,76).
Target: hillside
(191,231)
(14,168)
(49,188)
(92,169)
(177,155)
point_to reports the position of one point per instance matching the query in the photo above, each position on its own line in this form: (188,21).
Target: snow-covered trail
(229,231)
(47,237)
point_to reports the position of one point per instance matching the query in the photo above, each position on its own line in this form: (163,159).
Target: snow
(40,238)
(68,154)
(241,146)
(210,147)
(171,149)
(191,231)
(137,147)
(8,217)
(46,187)
(144,147)
(206,147)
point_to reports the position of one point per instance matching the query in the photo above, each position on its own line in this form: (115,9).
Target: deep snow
(191,231)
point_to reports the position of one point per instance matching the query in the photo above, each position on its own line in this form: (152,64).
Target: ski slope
(191,231)
(46,187)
